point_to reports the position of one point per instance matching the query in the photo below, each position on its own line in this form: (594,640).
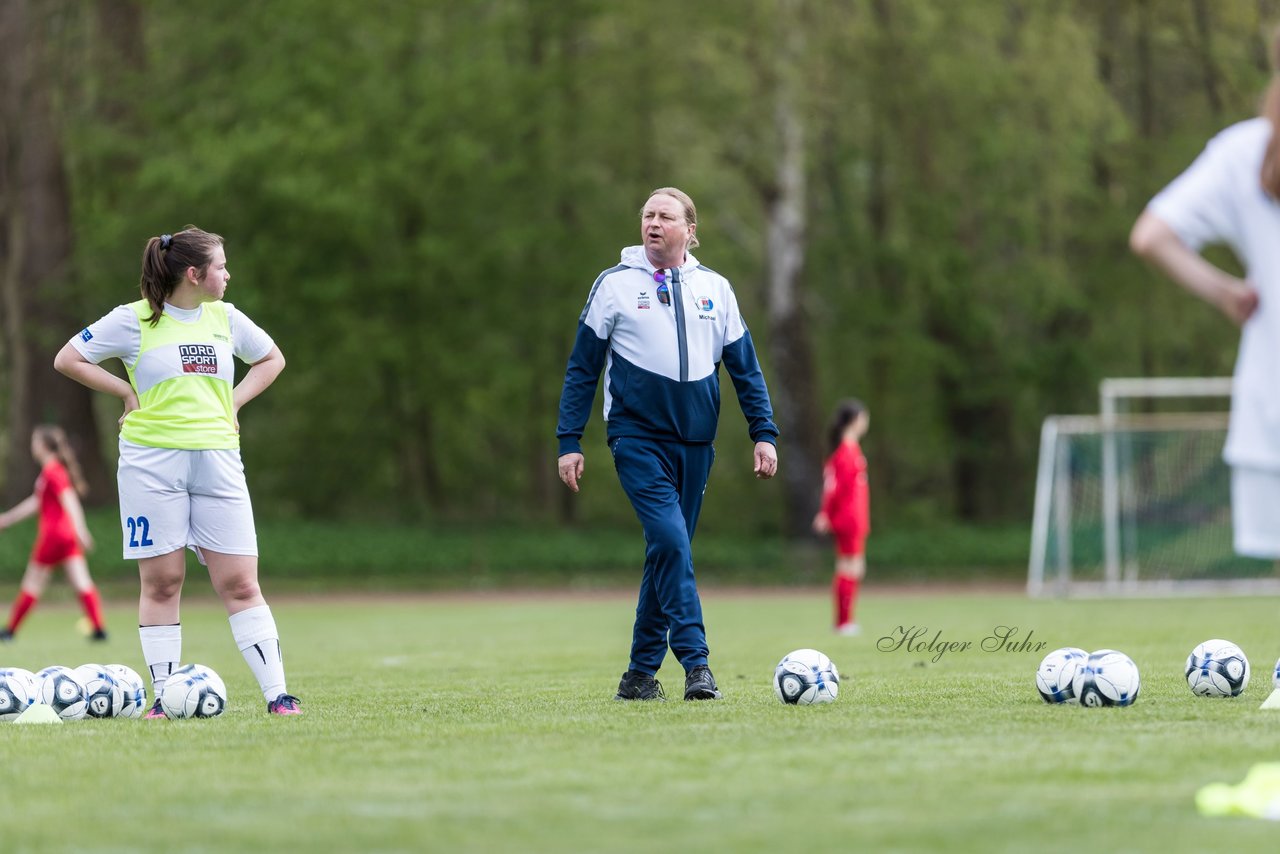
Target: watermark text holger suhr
(918,639)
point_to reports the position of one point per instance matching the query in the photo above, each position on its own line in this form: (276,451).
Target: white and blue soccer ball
(1106,678)
(806,677)
(1217,668)
(133,689)
(1057,672)
(17,692)
(193,691)
(63,691)
(104,697)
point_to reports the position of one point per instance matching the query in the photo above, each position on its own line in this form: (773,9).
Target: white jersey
(1220,199)
(119,335)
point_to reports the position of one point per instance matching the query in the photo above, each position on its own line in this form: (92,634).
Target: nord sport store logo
(198,358)
(917,639)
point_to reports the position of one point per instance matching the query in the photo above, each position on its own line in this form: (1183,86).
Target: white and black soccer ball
(1057,672)
(63,691)
(1106,678)
(104,696)
(806,677)
(132,688)
(193,691)
(1217,668)
(17,692)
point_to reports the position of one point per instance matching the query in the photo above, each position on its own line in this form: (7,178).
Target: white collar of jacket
(635,256)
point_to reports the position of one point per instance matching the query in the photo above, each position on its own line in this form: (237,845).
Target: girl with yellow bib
(181,480)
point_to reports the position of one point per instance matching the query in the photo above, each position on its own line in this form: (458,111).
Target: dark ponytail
(165,261)
(847,411)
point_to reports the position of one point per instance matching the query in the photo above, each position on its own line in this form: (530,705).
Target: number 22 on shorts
(139,532)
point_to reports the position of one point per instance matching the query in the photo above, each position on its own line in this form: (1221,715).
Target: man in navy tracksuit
(660,324)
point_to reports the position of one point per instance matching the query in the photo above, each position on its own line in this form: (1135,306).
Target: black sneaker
(156,712)
(639,686)
(99,635)
(5,635)
(699,684)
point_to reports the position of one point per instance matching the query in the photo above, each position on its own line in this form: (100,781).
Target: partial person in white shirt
(1230,196)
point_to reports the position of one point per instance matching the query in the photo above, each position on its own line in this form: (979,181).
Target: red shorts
(52,549)
(850,543)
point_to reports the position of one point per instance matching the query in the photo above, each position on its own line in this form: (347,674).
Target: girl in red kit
(846,508)
(62,537)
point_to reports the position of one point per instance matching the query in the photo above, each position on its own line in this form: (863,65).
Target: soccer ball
(17,692)
(1217,668)
(193,691)
(133,689)
(1056,673)
(104,696)
(63,691)
(806,677)
(1106,678)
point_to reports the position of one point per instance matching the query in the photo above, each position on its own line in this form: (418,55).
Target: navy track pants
(665,482)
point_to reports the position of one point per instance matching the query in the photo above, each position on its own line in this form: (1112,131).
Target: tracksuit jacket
(661,344)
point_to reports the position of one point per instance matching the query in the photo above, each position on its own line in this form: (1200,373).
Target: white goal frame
(1111,394)
(1115,426)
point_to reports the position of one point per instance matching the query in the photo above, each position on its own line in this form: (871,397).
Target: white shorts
(1255,512)
(172,499)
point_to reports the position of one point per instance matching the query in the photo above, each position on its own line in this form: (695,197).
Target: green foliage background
(417,196)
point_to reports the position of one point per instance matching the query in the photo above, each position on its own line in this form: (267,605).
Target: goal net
(1139,503)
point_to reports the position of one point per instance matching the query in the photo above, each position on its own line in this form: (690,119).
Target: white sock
(162,651)
(259,642)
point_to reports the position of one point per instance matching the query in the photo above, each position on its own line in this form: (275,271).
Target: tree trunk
(1147,142)
(1264,26)
(1146,82)
(554,55)
(1108,25)
(793,390)
(35,280)
(1208,67)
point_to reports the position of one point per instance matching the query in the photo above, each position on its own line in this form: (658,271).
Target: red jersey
(56,536)
(846,500)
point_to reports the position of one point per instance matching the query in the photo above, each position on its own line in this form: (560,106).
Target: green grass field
(487,724)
